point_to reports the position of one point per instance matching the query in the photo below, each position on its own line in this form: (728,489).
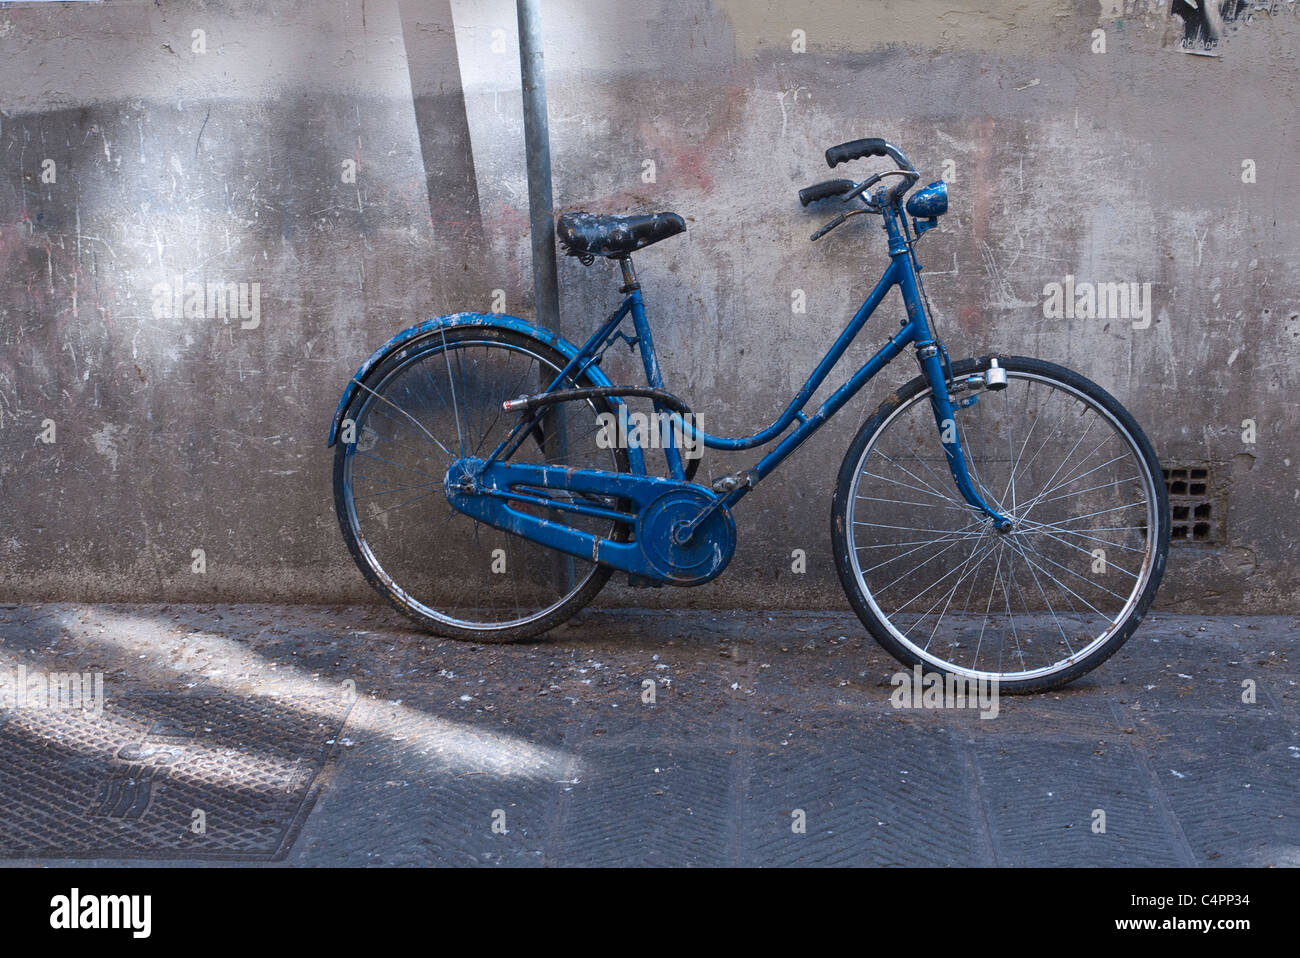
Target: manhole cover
(204,774)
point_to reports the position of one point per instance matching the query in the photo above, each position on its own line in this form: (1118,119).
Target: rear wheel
(1032,608)
(425,406)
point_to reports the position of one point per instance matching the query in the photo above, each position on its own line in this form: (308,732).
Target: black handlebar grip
(855,150)
(825,191)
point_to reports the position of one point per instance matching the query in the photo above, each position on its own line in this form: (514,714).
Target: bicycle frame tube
(589,353)
(652,376)
(916,331)
(584,357)
(635,305)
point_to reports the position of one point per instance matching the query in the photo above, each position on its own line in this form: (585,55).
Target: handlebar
(871,146)
(830,189)
(875,146)
(846,190)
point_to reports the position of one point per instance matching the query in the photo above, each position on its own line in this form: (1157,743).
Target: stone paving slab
(317,735)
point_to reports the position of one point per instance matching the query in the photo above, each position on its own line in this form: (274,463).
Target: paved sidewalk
(231,734)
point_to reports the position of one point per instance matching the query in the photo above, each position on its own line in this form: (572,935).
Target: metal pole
(541,213)
(537,140)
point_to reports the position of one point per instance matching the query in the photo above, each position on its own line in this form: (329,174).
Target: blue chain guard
(487,493)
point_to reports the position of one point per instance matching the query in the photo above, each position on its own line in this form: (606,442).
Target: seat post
(629,275)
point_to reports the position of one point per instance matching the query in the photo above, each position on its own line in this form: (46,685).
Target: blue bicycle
(999,518)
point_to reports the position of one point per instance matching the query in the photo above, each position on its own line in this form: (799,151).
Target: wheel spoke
(385,399)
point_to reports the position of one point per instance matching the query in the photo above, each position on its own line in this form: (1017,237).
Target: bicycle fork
(932,366)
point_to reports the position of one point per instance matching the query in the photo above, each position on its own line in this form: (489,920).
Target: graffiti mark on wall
(1199,27)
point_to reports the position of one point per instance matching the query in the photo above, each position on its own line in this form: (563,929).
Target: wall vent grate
(1195,505)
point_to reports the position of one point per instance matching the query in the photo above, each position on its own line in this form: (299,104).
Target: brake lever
(857,193)
(829,226)
(836,222)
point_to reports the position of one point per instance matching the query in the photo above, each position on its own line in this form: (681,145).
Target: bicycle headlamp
(929,201)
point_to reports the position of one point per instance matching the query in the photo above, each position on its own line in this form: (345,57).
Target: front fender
(430,327)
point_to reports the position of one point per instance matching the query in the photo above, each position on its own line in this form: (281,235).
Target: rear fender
(431,327)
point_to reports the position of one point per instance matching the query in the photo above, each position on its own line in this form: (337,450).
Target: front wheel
(1031,608)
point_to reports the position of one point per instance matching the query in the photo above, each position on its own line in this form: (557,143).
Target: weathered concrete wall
(228,166)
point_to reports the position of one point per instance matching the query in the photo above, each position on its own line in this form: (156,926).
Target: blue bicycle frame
(903,272)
